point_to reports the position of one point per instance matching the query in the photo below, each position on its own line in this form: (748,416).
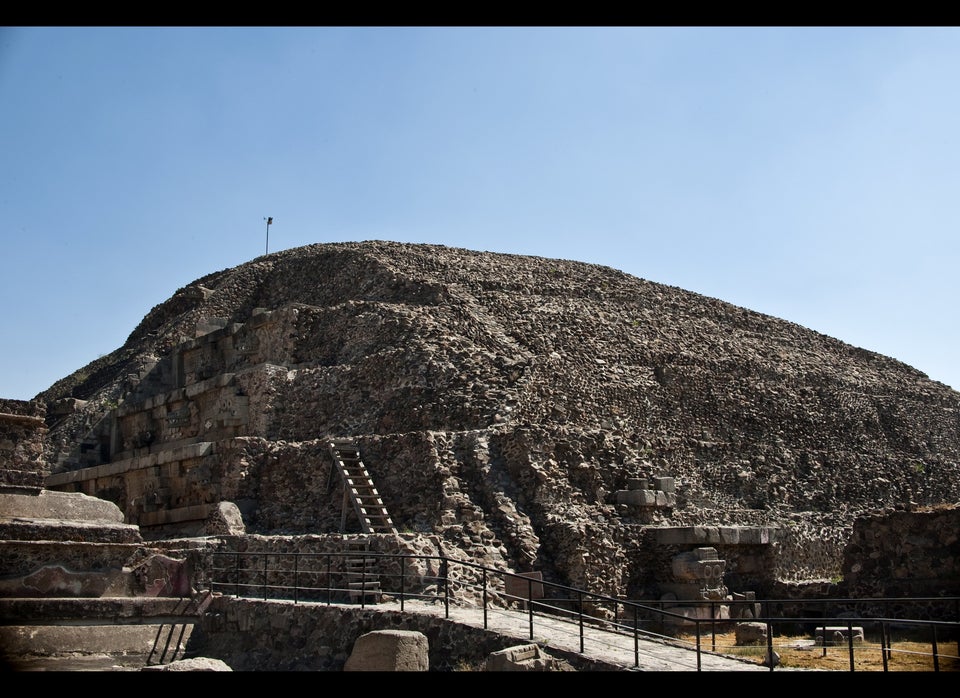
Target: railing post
(697,628)
(236,569)
(445,573)
(296,578)
(265,555)
(770,643)
(484,598)
(850,642)
(329,578)
(661,620)
(884,646)
(936,653)
(580,617)
(363,580)
(636,636)
(403,572)
(713,625)
(530,604)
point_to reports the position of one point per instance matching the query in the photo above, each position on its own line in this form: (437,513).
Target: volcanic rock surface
(503,402)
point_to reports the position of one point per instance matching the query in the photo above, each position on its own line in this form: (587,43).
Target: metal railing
(328,578)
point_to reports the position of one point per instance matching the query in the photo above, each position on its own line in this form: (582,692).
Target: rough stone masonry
(529,413)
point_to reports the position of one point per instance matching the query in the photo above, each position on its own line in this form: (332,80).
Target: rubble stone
(502,403)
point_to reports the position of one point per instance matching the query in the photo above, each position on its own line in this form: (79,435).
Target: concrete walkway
(612,648)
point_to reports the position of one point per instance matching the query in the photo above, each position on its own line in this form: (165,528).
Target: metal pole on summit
(269,221)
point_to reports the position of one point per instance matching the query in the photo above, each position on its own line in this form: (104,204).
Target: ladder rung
(367,502)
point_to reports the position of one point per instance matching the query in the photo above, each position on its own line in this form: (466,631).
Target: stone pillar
(23,468)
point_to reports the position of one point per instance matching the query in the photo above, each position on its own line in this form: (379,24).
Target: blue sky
(806,173)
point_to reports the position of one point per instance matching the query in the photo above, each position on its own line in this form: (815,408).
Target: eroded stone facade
(503,404)
(22,428)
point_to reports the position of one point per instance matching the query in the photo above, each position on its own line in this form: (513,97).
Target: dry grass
(800,653)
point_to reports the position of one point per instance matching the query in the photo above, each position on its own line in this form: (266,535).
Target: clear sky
(806,173)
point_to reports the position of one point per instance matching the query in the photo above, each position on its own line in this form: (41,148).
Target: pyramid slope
(541,387)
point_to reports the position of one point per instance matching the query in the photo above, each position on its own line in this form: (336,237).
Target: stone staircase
(145,631)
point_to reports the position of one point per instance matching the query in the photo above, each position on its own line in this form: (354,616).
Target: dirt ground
(803,653)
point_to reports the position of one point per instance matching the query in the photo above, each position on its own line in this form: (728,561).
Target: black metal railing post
(850,642)
(936,652)
(265,556)
(484,577)
(329,579)
(445,573)
(713,625)
(697,628)
(580,617)
(530,604)
(236,569)
(770,644)
(884,645)
(296,578)
(636,636)
(403,573)
(363,580)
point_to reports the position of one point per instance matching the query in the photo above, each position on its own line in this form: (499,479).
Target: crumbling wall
(904,553)
(22,430)
(502,402)
(809,549)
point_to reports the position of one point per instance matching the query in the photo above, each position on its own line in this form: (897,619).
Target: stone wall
(809,549)
(280,636)
(22,429)
(476,491)
(904,553)
(501,403)
(889,554)
(322,562)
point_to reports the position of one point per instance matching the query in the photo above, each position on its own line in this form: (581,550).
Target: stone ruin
(524,413)
(698,576)
(644,500)
(61,544)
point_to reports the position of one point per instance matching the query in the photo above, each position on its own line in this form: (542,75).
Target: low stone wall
(322,559)
(904,553)
(251,635)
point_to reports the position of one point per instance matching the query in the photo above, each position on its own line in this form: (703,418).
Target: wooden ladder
(358,487)
(360,573)
(195,607)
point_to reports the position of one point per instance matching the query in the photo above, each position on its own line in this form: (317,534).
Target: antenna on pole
(269,221)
